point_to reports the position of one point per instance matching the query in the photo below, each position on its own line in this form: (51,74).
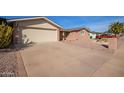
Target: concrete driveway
(61,59)
(115,66)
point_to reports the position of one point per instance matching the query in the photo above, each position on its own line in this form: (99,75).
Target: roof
(33,18)
(17,17)
(76,29)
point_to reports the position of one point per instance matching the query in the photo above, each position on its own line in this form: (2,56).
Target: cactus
(5,34)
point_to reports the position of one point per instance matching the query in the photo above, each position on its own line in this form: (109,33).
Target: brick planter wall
(113,43)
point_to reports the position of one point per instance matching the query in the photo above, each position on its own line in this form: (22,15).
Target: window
(82,33)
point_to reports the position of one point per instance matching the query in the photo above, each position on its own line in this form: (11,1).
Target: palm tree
(116,28)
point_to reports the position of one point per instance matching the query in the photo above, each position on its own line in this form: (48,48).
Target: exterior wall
(86,35)
(77,35)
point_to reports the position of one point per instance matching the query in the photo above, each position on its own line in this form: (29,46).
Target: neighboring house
(37,30)
(74,34)
(92,35)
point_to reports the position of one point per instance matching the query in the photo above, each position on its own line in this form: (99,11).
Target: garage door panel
(38,36)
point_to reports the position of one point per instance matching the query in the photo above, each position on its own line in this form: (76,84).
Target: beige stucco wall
(37,23)
(28,35)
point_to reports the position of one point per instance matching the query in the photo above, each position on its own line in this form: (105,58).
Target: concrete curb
(5,50)
(21,68)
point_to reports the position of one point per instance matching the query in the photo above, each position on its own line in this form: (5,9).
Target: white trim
(23,19)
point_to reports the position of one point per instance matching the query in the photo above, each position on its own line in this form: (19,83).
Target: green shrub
(103,40)
(5,34)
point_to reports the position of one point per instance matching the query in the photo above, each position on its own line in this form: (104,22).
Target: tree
(116,28)
(5,34)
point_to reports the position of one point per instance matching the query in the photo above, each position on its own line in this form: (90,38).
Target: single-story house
(36,29)
(92,35)
(74,34)
(42,29)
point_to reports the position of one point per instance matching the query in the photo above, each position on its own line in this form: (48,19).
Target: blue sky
(95,23)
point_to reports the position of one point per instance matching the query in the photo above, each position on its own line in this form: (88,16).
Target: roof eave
(24,19)
(73,30)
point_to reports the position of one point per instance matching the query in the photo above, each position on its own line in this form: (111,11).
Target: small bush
(5,34)
(103,40)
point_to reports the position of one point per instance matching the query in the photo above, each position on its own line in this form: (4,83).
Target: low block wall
(113,44)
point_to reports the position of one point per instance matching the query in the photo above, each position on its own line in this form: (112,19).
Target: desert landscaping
(38,47)
(8,64)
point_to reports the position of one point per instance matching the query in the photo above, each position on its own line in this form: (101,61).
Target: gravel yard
(8,64)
